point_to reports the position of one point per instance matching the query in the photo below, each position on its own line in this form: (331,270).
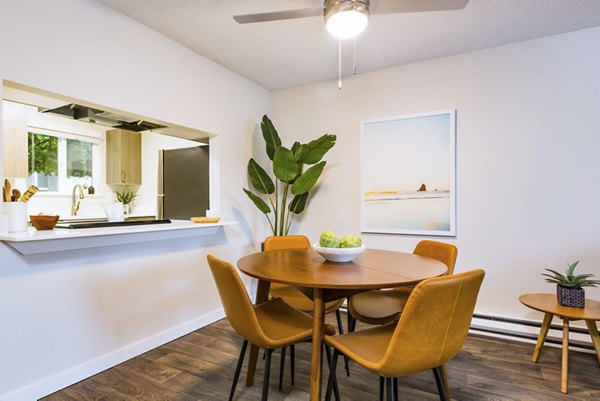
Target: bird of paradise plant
(287,194)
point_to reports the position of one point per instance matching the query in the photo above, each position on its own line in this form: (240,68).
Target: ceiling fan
(347,18)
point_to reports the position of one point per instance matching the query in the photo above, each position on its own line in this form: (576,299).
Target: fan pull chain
(354,71)
(339,63)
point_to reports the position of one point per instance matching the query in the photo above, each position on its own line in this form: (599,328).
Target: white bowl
(338,254)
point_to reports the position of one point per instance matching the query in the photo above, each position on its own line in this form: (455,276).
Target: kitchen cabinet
(14,138)
(123,157)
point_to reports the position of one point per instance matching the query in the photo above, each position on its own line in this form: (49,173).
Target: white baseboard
(64,379)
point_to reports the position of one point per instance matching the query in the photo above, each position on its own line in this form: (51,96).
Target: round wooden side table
(547,304)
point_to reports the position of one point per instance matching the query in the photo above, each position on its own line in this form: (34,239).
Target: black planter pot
(571,297)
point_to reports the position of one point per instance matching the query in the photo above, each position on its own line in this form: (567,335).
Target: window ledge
(42,194)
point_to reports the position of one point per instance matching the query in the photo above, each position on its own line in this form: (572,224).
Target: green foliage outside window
(43,154)
(79,158)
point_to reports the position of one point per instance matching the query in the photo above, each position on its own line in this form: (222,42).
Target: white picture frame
(408,174)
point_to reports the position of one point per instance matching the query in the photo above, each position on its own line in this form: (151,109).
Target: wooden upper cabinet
(14,138)
(123,157)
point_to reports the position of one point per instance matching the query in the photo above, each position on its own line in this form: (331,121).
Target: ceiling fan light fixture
(346,18)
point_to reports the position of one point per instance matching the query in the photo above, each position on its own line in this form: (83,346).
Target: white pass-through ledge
(60,239)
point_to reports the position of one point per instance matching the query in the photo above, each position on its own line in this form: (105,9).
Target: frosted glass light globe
(347,24)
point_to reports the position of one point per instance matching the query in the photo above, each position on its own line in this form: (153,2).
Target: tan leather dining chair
(293,296)
(269,325)
(430,332)
(290,294)
(385,306)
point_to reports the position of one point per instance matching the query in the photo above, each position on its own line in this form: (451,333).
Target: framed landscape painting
(408,174)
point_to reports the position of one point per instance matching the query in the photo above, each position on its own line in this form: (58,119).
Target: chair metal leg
(349,316)
(332,377)
(265,392)
(347,365)
(336,389)
(445,382)
(352,324)
(395,385)
(440,384)
(292,362)
(338,315)
(281,366)
(238,369)
(390,392)
(381,386)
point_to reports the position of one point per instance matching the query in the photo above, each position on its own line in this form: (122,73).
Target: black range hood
(101,117)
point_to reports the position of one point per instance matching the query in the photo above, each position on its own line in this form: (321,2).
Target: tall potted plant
(287,194)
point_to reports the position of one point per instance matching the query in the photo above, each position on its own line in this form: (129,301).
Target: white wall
(528,174)
(64,316)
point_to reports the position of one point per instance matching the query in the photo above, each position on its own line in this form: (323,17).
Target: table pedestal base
(316,358)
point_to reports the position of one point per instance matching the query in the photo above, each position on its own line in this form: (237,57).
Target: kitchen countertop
(33,241)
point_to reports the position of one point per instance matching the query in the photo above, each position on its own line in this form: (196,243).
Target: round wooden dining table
(324,281)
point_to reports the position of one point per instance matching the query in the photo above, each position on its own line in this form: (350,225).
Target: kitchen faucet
(74,200)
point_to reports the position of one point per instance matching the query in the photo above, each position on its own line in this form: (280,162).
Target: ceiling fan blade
(412,6)
(279,15)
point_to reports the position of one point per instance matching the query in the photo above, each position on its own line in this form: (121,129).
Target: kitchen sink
(100,223)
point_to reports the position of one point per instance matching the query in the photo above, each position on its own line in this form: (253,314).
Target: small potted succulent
(569,286)
(126,197)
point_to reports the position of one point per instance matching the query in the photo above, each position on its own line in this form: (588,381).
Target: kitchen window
(59,160)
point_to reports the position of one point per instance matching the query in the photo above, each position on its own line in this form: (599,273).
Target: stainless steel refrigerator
(183,185)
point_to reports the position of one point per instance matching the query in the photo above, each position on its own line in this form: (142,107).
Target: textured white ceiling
(282,54)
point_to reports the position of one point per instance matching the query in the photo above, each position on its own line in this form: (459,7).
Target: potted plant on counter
(126,197)
(287,194)
(569,286)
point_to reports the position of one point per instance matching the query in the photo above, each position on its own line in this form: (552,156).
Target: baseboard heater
(517,335)
(527,336)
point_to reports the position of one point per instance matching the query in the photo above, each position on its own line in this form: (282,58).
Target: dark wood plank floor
(200,366)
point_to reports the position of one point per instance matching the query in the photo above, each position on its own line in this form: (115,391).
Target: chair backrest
(445,253)
(236,302)
(433,325)
(276,243)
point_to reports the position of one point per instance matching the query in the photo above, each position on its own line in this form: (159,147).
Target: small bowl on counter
(339,255)
(44,221)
